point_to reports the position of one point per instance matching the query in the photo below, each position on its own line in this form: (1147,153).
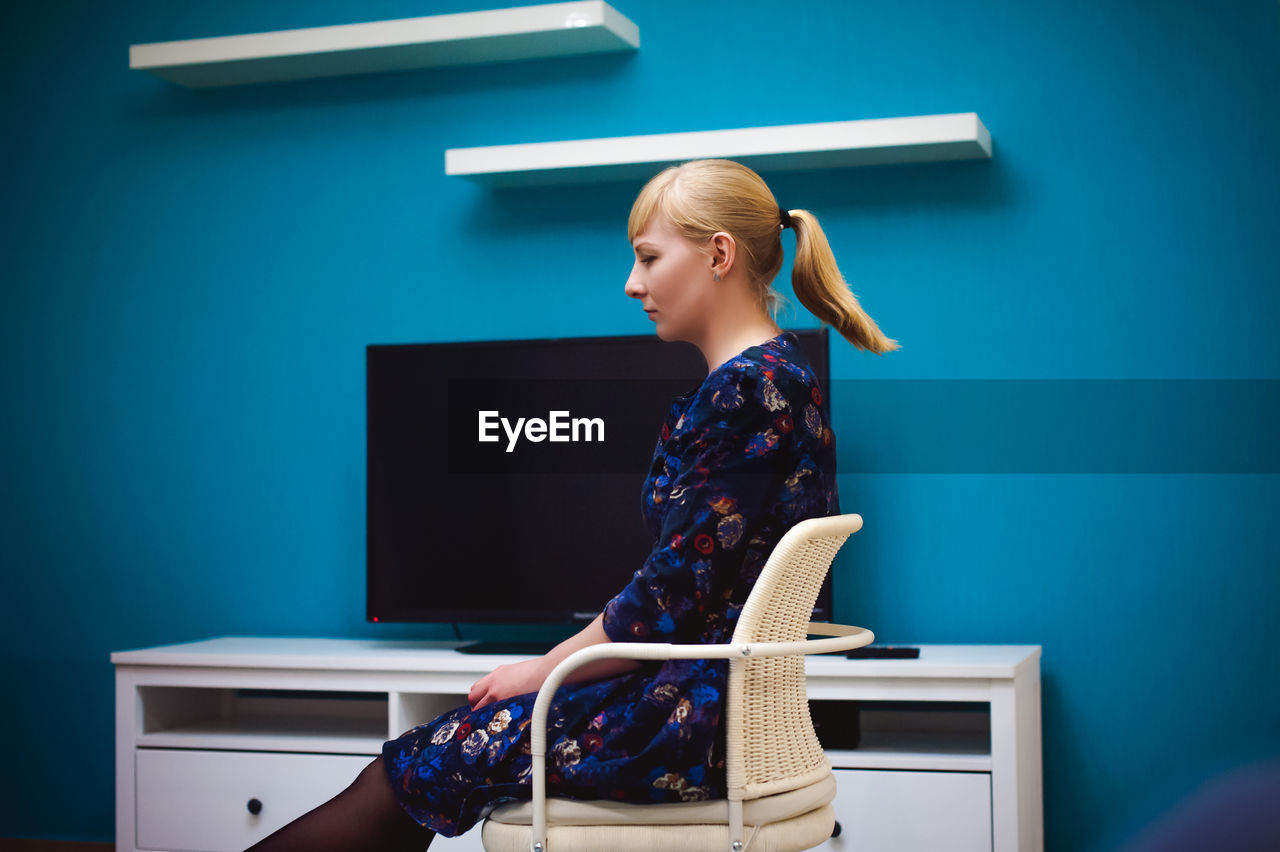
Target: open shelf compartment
(411,709)
(336,722)
(929,735)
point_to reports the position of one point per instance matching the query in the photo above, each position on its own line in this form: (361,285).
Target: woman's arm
(592,634)
(528,675)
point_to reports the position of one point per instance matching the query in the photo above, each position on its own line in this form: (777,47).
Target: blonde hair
(700,197)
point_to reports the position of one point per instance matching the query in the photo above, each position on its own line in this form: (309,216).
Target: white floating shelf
(524,32)
(831,144)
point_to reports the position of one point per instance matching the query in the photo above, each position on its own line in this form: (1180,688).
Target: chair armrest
(826,628)
(844,637)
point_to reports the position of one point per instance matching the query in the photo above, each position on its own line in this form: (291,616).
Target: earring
(715,276)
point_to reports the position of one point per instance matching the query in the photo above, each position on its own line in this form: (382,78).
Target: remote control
(883,652)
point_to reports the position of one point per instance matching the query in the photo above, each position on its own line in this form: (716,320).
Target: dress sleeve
(724,473)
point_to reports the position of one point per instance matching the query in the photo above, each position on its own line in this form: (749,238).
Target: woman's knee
(375,776)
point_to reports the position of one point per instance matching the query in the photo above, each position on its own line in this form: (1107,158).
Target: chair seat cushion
(760,811)
(790,835)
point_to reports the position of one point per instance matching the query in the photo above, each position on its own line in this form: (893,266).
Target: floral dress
(739,460)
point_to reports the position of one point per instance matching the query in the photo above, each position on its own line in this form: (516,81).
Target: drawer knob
(255,807)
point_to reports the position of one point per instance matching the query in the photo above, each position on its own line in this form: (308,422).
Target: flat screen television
(530,524)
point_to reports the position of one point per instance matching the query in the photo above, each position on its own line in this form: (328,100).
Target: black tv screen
(476,513)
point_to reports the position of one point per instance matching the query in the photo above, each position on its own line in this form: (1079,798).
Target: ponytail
(821,288)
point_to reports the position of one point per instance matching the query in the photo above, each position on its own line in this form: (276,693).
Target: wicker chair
(780,783)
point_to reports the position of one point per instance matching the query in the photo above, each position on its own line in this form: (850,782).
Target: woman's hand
(507,680)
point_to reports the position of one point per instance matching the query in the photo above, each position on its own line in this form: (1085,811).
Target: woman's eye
(645,259)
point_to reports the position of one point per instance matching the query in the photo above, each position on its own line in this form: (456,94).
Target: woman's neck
(720,348)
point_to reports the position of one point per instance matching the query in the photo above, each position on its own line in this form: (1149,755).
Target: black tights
(365,816)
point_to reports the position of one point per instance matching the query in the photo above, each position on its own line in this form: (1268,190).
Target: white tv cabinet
(221,742)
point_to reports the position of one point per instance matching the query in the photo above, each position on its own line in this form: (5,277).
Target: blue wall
(190,278)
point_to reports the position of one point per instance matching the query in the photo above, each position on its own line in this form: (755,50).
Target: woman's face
(673,282)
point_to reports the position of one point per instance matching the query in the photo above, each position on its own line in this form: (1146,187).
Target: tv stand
(221,742)
(519,647)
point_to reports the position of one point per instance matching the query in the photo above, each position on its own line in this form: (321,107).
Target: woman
(740,459)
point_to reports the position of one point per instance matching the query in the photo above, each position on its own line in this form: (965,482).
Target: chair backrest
(771,746)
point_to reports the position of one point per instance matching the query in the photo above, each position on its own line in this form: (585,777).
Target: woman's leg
(364,816)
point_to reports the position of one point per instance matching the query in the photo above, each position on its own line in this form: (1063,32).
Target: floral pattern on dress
(730,474)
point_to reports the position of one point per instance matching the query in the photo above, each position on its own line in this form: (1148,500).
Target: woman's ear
(723,250)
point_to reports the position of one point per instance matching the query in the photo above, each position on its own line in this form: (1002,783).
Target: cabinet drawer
(197,801)
(890,811)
